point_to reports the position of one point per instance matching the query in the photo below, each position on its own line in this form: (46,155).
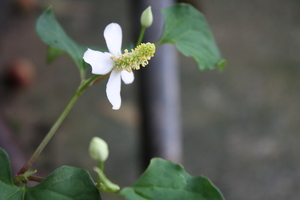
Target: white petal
(101,62)
(113,38)
(127,77)
(113,89)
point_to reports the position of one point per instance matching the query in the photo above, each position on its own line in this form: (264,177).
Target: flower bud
(98,149)
(147,18)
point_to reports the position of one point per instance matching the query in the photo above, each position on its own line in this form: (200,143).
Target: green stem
(141,36)
(79,91)
(101,165)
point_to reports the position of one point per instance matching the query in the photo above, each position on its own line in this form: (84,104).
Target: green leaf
(50,32)
(53,53)
(7,189)
(65,183)
(187,28)
(168,181)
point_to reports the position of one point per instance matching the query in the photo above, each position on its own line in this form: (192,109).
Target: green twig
(79,91)
(141,36)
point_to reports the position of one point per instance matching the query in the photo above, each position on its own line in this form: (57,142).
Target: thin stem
(141,36)
(23,179)
(35,178)
(97,79)
(101,165)
(79,91)
(50,134)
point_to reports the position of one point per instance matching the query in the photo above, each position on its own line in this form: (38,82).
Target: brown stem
(35,178)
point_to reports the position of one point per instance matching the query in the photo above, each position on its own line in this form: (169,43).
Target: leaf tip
(49,7)
(222,64)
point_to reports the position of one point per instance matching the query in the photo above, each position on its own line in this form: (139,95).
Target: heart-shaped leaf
(7,189)
(50,32)
(168,181)
(187,28)
(65,183)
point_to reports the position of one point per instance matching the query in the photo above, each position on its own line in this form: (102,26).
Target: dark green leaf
(169,181)
(187,28)
(7,189)
(50,32)
(65,183)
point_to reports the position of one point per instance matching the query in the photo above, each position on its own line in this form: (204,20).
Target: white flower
(120,65)
(103,63)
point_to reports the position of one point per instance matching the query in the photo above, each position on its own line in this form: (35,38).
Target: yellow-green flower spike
(138,56)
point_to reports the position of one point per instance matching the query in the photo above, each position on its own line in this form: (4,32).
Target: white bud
(147,18)
(98,149)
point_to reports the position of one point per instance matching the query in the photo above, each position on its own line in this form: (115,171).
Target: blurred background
(240,127)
